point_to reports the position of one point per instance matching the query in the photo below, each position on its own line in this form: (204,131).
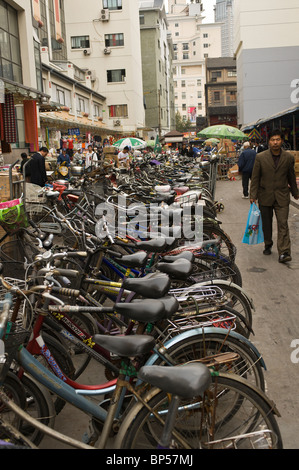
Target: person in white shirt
(91,159)
(123,159)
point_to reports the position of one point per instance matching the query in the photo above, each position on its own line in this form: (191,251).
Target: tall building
(224,14)
(267,55)
(104,38)
(193,43)
(157,56)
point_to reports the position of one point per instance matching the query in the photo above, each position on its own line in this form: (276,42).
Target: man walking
(273,178)
(38,167)
(245,164)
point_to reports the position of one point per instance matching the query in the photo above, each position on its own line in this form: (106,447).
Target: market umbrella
(212,141)
(150,143)
(131,142)
(222,132)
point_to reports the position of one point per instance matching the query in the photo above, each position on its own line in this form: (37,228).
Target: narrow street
(273,287)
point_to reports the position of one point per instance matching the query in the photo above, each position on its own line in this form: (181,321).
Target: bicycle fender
(201,331)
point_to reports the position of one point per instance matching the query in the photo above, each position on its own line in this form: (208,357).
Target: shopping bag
(254,230)
(13,216)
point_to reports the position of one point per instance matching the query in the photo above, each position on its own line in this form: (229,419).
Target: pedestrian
(25,159)
(91,159)
(38,167)
(123,159)
(245,164)
(273,179)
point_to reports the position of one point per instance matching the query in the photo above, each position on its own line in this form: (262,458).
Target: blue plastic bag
(254,230)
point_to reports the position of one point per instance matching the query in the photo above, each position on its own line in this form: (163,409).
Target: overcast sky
(209,10)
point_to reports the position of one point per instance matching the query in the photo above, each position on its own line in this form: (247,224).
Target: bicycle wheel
(39,405)
(211,232)
(13,388)
(230,415)
(207,344)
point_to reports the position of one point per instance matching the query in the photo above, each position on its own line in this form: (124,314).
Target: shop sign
(75,131)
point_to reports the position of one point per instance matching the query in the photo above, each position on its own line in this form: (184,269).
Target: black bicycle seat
(184,255)
(136,260)
(186,381)
(144,311)
(152,286)
(155,245)
(126,346)
(179,269)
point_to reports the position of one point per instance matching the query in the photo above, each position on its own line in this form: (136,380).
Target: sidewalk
(274,288)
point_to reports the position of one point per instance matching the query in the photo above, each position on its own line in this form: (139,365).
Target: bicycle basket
(13,216)
(35,199)
(14,337)
(14,254)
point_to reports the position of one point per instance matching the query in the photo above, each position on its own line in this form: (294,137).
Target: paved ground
(274,288)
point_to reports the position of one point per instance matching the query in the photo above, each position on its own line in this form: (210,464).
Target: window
(183,96)
(118,111)
(216,95)
(185,55)
(62,95)
(183,71)
(232,73)
(10,57)
(175,47)
(141,19)
(177,34)
(205,35)
(176,25)
(183,83)
(81,104)
(184,106)
(198,82)
(185,46)
(97,110)
(80,42)
(206,45)
(118,75)
(114,40)
(216,75)
(112,4)
(199,94)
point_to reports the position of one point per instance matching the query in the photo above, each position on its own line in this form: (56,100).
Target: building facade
(157,56)
(224,13)
(103,38)
(221,91)
(193,43)
(267,54)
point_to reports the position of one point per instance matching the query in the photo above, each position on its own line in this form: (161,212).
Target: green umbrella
(222,132)
(212,141)
(150,143)
(131,142)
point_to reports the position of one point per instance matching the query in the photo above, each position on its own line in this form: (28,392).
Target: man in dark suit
(273,179)
(246,164)
(38,167)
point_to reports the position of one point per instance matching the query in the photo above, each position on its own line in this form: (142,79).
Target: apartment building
(157,56)
(103,39)
(267,55)
(193,43)
(221,91)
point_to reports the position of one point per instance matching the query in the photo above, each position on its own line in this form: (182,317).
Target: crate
(35,199)
(5,185)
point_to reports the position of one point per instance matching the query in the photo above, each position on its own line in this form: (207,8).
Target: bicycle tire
(40,406)
(207,344)
(230,408)
(15,391)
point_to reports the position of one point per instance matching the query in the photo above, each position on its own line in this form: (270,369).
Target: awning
(250,126)
(64,120)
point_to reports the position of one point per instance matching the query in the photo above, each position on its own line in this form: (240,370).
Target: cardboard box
(5,185)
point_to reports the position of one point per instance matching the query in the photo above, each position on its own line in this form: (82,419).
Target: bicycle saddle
(126,346)
(144,311)
(186,381)
(171,305)
(156,245)
(136,260)
(152,286)
(179,269)
(184,255)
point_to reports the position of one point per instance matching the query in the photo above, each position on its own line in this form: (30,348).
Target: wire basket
(15,255)
(35,198)
(14,337)
(13,216)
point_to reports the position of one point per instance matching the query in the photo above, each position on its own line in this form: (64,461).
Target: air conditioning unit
(87,51)
(117,123)
(92,75)
(105,14)
(107,51)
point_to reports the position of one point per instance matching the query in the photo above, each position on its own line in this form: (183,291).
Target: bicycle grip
(59,272)
(66,291)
